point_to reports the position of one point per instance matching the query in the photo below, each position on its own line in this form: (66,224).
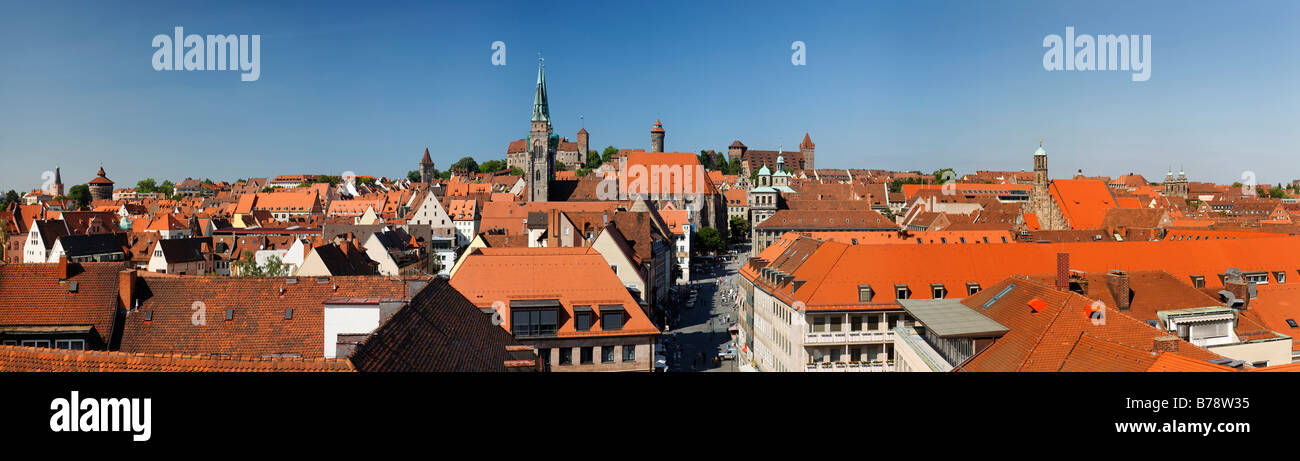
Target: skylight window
(998,297)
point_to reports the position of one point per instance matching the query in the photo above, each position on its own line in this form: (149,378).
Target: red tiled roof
(17,358)
(33,295)
(258,327)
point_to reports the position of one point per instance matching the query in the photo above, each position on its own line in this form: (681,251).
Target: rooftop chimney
(62,268)
(1063,271)
(1166,344)
(1117,283)
(1240,290)
(126,288)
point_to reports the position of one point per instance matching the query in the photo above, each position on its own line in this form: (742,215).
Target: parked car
(727,354)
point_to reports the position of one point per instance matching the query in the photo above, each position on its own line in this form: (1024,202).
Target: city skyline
(884,87)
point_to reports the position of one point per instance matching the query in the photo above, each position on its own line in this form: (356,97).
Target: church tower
(541,142)
(58,183)
(1040,170)
(426,167)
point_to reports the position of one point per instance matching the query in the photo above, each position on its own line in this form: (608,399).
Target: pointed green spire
(541,111)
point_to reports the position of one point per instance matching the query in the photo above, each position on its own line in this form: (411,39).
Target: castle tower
(426,167)
(583,146)
(808,149)
(541,142)
(657,137)
(101,188)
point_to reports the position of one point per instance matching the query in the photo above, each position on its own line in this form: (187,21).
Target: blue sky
(897,85)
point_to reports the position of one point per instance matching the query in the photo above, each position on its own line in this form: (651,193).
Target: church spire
(541,112)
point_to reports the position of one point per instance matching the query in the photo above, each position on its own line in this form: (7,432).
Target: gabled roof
(1084,202)
(90,245)
(33,295)
(438,331)
(1044,339)
(570,276)
(258,326)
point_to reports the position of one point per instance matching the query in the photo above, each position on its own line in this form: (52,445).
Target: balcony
(848,337)
(849,367)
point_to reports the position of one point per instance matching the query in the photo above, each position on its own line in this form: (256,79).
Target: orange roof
(675,219)
(832,270)
(1167,362)
(1084,202)
(665,173)
(737,197)
(570,276)
(1062,336)
(965,189)
(913,237)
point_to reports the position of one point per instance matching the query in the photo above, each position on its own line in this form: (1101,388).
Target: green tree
(492,166)
(206,181)
(466,163)
(560,166)
(80,193)
(413,175)
(1276,192)
(146,185)
(327,179)
(708,240)
(365,180)
(593,159)
(11,197)
(734,166)
(706,160)
(516,171)
(739,228)
(608,153)
(582,172)
(167,188)
(247,267)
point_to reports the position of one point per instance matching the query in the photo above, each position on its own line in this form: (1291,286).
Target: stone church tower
(426,167)
(1175,187)
(1040,199)
(542,142)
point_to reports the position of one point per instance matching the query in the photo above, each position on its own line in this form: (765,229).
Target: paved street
(703,328)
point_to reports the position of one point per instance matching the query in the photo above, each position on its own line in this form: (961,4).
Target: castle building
(426,168)
(752,159)
(657,137)
(101,188)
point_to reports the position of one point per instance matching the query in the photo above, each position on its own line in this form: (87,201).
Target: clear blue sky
(900,85)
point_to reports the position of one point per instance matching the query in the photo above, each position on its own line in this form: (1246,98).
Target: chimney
(1239,290)
(1117,283)
(1063,271)
(63,267)
(1166,344)
(126,288)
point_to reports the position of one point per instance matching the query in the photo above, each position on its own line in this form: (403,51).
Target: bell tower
(541,146)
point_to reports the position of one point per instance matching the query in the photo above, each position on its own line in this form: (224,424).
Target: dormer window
(1279,276)
(901,291)
(1198,281)
(864,293)
(972,288)
(937,290)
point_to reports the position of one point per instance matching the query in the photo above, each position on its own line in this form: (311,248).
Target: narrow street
(702,335)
